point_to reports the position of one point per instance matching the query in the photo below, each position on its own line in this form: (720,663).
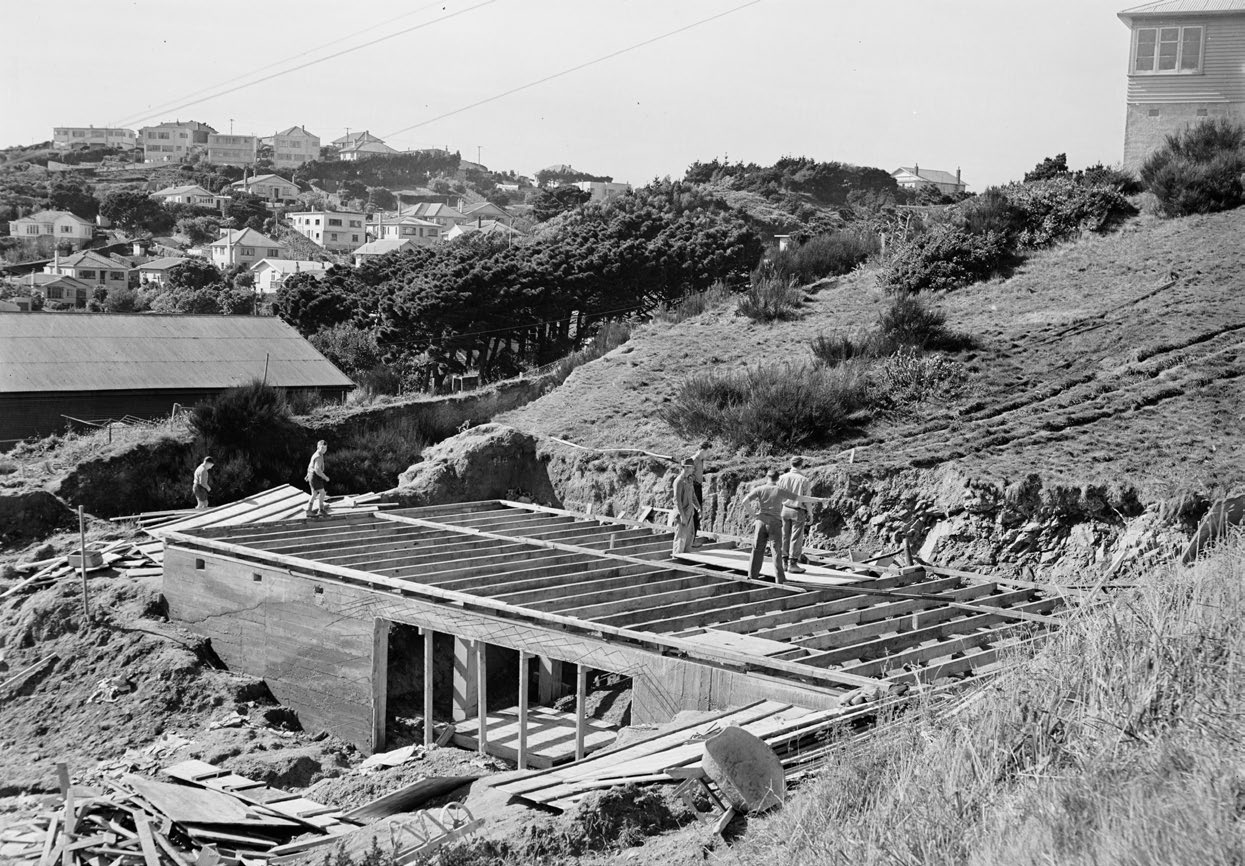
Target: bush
(825,255)
(947,257)
(352,349)
(250,433)
(770,298)
(906,323)
(693,304)
(373,459)
(769,407)
(909,377)
(1199,169)
(1051,210)
(831,351)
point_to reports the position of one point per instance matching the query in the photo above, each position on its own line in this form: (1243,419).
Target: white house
(92,269)
(419,231)
(917,177)
(376,249)
(93,136)
(244,247)
(58,224)
(156,271)
(269,187)
(601,190)
(191,194)
(271,273)
(339,231)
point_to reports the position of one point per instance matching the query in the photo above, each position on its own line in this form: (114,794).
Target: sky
(636,89)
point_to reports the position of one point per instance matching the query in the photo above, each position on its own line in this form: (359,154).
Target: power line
(310,63)
(576,68)
(164,105)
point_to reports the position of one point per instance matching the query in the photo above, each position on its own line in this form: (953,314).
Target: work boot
(794,565)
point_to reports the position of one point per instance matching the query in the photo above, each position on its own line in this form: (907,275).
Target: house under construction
(464,607)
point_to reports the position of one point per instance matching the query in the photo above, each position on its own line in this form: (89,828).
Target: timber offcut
(310,606)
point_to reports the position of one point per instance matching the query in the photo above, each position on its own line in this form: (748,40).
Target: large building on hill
(1186,62)
(96,367)
(339,231)
(239,150)
(93,136)
(293,147)
(173,141)
(915,177)
(59,225)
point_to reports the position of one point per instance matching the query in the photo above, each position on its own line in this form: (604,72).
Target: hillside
(1114,361)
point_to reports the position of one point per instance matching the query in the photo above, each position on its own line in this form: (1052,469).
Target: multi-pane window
(66,230)
(87,275)
(32,230)
(116,275)
(55,293)
(1168,50)
(248,251)
(273,253)
(335,222)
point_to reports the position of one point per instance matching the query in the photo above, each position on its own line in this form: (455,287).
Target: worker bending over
(769,499)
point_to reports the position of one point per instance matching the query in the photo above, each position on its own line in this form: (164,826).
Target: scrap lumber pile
(135,559)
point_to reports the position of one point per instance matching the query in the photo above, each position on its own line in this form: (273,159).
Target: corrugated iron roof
(163,264)
(932,175)
(48,352)
(1184,7)
(386,245)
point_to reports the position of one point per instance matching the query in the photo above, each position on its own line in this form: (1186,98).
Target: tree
(193,275)
(124,300)
(498,197)
(74,196)
(247,211)
(1051,167)
(132,210)
(548,203)
(380,198)
(199,230)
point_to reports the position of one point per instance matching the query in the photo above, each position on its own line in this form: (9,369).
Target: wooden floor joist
(514,567)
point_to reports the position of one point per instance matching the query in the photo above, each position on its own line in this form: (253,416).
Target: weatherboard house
(1186,62)
(54,365)
(915,177)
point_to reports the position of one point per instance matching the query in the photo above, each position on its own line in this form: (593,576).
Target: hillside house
(294,146)
(240,150)
(376,249)
(915,178)
(600,190)
(418,231)
(339,231)
(269,187)
(57,289)
(173,141)
(93,136)
(58,224)
(244,247)
(441,214)
(271,273)
(484,210)
(486,227)
(1186,62)
(91,268)
(191,194)
(156,271)
(116,365)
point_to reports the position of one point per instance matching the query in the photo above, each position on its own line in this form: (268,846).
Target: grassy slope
(1120,742)
(1078,373)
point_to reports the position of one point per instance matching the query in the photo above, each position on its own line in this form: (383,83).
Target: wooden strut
(428,724)
(482,697)
(524,688)
(581,709)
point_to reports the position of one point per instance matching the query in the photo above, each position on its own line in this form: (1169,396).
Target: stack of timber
(800,737)
(124,556)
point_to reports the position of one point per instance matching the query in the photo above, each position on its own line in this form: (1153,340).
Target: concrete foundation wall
(312,642)
(1147,125)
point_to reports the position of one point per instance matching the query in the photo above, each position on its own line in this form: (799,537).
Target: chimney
(916,169)
(957,175)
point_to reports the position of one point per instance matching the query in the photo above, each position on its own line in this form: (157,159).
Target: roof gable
(932,175)
(42,352)
(51,216)
(246,237)
(88,259)
(1183,7)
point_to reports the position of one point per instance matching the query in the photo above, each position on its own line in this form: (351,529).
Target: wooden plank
(572,582)
(407,798)
(380,682)
(739,561)
(581,709)
(658,619)
(151,854)
(524,688)
(826,615)
(454,508)
(741,642)
(482,696)
(637,607)
(575,596)
(427,686)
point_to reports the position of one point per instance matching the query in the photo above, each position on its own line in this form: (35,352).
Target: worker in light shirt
(770,499)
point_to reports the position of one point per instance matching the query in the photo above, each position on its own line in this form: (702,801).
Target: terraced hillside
(1115,361)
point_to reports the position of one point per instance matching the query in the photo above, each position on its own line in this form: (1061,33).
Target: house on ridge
(190,194)
(915,178)
(269,187)
(376,249)
(91,268)
(244,247)
(61,225)
(271,273)
(1186,62)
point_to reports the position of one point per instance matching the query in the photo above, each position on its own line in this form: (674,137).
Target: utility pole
(479,147)
(231,126)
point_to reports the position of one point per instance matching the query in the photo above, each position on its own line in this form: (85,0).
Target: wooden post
(86,603)
(481,696)
(428,725)
(549,680)
(464,680)
(380,682)
(523,690)
(581,709)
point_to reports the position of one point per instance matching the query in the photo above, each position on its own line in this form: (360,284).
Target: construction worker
(769,499)
(686,507)
(698,487)
(202,485)
(317,479)
(795,516)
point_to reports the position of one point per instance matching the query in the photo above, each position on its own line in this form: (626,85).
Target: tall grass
(693,304)
(826,255)
(779,407)
(1121,741)
(771,297)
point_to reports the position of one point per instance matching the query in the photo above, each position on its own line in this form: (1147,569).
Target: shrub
(908,377)
(1051,210)
(947,257)
(825,255)
(770,298)
(908,322)
(693,304)
(250,433)
(1198,170)
(352,349)
(992,211)
(834,350)
(373,459)
(1109,176)
(769,407)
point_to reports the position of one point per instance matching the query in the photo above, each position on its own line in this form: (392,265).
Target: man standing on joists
(316,480)
(685,508)
(795,516)
(770,499)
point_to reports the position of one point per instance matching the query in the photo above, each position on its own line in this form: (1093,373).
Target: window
(335,222)
(32,230)
(356,224)
(1168,50)
(79,134)
(66,230)
(248,251)
(86,275)
(162,135)
(354,238)
(116,275)
(273,253)
(55,293)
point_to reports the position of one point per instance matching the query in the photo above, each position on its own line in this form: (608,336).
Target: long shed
(56,366)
